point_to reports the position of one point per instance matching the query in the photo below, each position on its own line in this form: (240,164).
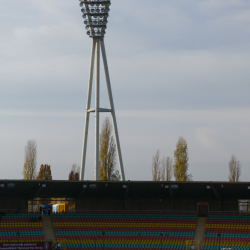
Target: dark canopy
(30,189)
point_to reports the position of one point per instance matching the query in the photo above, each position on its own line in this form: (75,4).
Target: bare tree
(163,169)
(234,169)
(29,168)
(74,173)
(156,167)
(167,169)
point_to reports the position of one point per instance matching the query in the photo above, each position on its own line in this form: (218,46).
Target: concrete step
(48,228)
(199,232)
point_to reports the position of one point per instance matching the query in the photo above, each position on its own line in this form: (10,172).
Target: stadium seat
(124,230)
(19,228)
(233,228)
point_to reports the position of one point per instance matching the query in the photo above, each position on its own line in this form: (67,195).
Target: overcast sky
(178,68)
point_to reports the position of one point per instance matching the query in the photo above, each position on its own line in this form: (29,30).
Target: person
(48,210)
(56,246)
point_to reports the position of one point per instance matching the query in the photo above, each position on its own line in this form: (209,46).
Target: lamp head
(95,14)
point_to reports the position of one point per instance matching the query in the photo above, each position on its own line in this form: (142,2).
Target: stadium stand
(233,229)
(126,230)
(21,227)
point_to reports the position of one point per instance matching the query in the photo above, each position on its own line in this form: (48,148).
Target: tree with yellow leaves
(107,155)
(44,173)
(180,166)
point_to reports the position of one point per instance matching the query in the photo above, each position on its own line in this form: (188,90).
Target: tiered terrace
(19,228)
(126,230)
(233,229)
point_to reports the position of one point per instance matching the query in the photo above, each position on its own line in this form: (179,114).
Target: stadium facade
(201,197)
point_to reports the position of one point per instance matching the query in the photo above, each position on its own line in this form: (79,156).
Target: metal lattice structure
(95,14)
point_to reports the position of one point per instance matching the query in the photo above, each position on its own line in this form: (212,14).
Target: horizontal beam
(96,25)
(99,110)
(96,14)
(91,2)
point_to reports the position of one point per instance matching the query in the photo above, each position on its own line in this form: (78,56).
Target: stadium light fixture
(161,239)
(95,14)
(18,235)
(219,235)
(103,233)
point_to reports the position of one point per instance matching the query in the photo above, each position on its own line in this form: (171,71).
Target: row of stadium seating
(126,216)
(126,220)
(21,215)
(112,212)
(18,228)
(21,232)
(124,233)
(11,228)
(124,247)
(124,230)
(233,229)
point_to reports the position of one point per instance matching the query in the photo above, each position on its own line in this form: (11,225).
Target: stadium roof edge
(30,189)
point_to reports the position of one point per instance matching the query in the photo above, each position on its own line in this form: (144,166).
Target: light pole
(140,239)
(219,235)
(161,239)
(103,233)
(166,234)
(95,14)
(17,234)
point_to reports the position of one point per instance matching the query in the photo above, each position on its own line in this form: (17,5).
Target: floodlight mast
(95,14)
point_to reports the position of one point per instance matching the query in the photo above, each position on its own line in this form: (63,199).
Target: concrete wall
(13,204)
(153,204)
(97,203)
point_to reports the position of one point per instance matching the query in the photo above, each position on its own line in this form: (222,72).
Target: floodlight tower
(95,14)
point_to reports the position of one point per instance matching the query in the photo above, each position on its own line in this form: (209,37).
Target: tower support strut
(97,45)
